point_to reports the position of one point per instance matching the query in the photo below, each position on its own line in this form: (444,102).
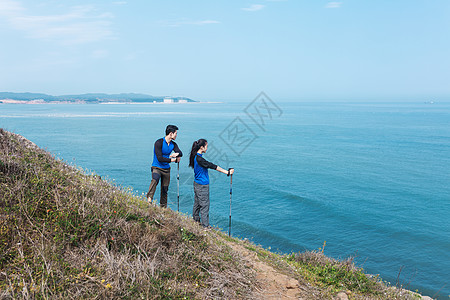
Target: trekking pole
(231,192)
(178,186)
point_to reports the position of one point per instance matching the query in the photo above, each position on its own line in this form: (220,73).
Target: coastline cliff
(65,233)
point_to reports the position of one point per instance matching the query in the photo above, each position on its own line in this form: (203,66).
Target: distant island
(92,98)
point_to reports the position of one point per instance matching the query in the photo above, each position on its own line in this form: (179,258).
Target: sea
(366,180)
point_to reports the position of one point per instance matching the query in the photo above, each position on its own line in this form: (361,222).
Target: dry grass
(68,234)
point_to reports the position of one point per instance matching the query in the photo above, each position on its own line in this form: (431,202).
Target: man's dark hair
(171,128)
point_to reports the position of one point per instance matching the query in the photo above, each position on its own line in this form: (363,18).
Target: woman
(201,181)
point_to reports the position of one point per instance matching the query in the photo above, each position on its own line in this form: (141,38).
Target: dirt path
(273,284)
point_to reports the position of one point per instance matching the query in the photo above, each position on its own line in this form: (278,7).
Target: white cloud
(9,7)
(185,22)
(99,54)
(254,7)
(80,24)
(205,22)
(333,5)
(130,57)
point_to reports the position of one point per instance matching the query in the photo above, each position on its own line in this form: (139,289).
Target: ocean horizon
(369,179)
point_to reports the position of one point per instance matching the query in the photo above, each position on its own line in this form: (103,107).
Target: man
(162,157)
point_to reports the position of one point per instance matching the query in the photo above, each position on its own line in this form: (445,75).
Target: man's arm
(177,150)
(158,152)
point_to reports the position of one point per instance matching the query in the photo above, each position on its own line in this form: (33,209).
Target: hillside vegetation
(65,234)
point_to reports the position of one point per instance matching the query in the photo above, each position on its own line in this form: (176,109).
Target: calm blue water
(372,180)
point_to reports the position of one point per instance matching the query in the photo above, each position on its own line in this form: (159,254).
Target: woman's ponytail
(195,146)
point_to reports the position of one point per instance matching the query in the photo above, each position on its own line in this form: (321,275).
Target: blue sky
(356,50)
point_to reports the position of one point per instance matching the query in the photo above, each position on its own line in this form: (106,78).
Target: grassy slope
(68,234)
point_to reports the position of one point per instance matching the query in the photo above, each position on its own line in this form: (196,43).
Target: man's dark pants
(164,175)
